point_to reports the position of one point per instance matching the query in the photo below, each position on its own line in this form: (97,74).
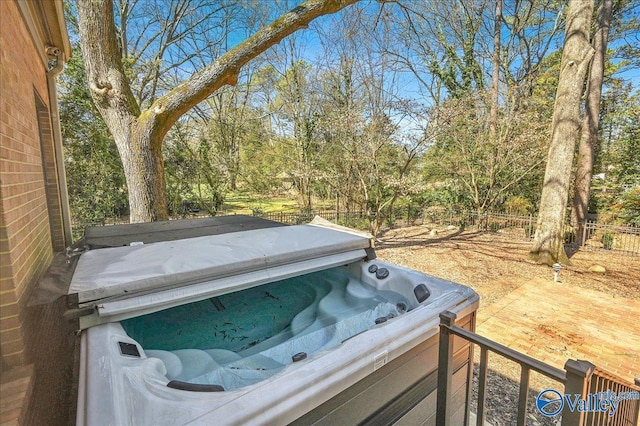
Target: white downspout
(59,153)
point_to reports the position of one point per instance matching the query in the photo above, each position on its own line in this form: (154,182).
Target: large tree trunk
(548,244)
(139,134)
(591,122)
(144,169)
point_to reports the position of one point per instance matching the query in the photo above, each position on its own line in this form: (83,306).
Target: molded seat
(171,361)
(194,363)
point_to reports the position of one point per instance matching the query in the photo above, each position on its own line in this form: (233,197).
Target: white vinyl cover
(152,273)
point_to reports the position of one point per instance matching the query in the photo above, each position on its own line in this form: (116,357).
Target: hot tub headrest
(194,387)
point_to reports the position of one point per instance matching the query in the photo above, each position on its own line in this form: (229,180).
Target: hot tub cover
(121,282)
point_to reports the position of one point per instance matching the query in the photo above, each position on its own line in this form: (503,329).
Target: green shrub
(390,220)
(607,240)
(630,207)
(360,223)
(306,215)
(257,211)
(494,226)
(414,212)
(517,205)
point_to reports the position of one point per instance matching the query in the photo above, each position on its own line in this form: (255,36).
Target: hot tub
(293,324)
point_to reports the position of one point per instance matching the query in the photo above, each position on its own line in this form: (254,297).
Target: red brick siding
(25,231)
(30,227)
(50,171)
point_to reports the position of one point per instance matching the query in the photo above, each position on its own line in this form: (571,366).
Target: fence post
(584,233)
(445,369)
(578,377)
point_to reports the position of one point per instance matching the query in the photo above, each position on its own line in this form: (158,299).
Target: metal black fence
(588,236)
(579,378)
(597,236)
(360,219)
(353,219)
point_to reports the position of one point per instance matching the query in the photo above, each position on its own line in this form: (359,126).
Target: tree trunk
(139,134)
(144,169)
(548,244)
(495,76)
(140,154)
(591,122)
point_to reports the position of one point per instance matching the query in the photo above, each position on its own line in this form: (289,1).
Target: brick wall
(31,224)
(50,173)
(26,146)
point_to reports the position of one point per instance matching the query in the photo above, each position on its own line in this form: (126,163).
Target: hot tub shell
(383,375)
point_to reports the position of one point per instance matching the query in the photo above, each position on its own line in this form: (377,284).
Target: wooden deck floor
(553,322)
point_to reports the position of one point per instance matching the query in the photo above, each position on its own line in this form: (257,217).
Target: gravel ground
(501,401)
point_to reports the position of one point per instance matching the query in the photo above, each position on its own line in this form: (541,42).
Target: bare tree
(441,41)
(488,170)
(495,75)
(138,133)
(228,127)
(372,135)
(548,244)
(295,111)
(491,140)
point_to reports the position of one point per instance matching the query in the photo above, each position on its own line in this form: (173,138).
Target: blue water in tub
(238,339)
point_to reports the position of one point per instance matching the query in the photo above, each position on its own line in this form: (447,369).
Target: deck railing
(578,378)
(627,412)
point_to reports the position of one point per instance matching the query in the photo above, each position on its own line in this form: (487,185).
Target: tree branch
(164,112)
